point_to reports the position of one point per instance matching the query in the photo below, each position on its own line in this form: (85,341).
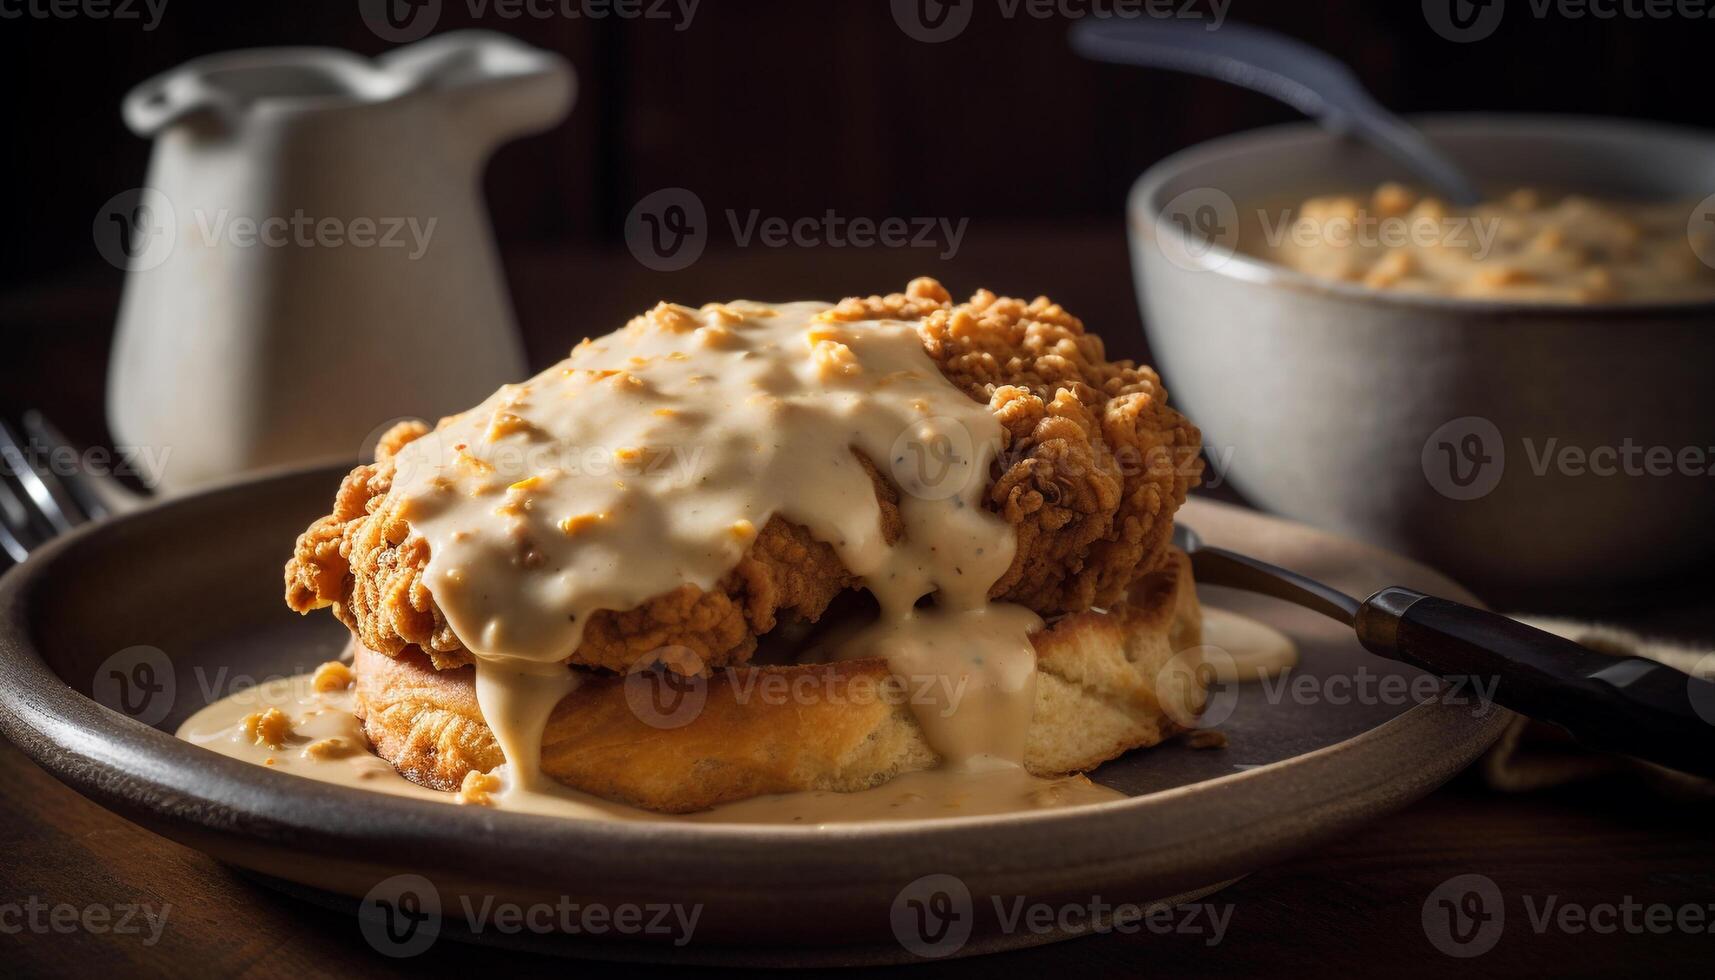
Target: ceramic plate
(162,611)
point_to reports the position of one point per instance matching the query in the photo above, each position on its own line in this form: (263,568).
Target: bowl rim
(1141,213)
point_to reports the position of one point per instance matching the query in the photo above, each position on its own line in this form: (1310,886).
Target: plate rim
(227,807)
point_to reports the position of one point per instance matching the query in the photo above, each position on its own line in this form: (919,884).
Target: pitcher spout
(219,89)
(494,87)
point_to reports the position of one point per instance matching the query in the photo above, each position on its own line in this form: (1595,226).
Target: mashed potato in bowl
(1528,246)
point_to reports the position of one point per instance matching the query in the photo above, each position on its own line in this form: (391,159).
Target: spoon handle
(1628,705)
(1303,77)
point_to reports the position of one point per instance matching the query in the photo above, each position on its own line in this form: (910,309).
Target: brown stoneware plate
(157,613)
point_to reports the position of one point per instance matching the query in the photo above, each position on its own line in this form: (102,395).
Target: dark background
(791,107)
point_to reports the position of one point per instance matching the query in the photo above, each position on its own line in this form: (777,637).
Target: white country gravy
(316,716)
(1254,649)
(651,458)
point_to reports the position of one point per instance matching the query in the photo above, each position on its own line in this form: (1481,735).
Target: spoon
(1629,705)
(1303,77)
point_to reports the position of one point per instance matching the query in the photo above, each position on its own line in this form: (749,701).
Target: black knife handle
(1628,705)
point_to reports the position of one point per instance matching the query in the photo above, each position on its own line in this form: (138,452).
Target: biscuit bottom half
(1107,681)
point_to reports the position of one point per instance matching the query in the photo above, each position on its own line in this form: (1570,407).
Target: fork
(37,501)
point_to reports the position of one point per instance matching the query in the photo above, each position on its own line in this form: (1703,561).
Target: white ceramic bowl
(1371,413)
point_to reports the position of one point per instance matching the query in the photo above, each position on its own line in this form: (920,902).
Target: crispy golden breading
(1095,462)
(1094,465)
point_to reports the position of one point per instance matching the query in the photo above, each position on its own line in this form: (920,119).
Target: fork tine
(78,485)
(13,514)
(20,532)
(11,546)
(51,500)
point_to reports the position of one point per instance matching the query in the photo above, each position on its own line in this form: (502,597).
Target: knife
(1628,705)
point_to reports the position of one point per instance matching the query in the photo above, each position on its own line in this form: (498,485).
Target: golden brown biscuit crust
(1101,689)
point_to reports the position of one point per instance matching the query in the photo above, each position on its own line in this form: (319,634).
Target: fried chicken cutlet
(1093,465)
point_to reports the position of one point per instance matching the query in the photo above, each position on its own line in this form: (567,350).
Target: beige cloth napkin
(1531,755)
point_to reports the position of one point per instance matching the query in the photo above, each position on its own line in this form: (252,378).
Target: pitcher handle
(495,86)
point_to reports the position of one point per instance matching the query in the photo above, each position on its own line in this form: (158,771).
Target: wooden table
(1357,906)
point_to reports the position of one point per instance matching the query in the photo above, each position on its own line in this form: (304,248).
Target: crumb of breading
(269,728)
(478,789)
(332,676)
(1206,738)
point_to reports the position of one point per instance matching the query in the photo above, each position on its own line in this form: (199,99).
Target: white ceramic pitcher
(311,256)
